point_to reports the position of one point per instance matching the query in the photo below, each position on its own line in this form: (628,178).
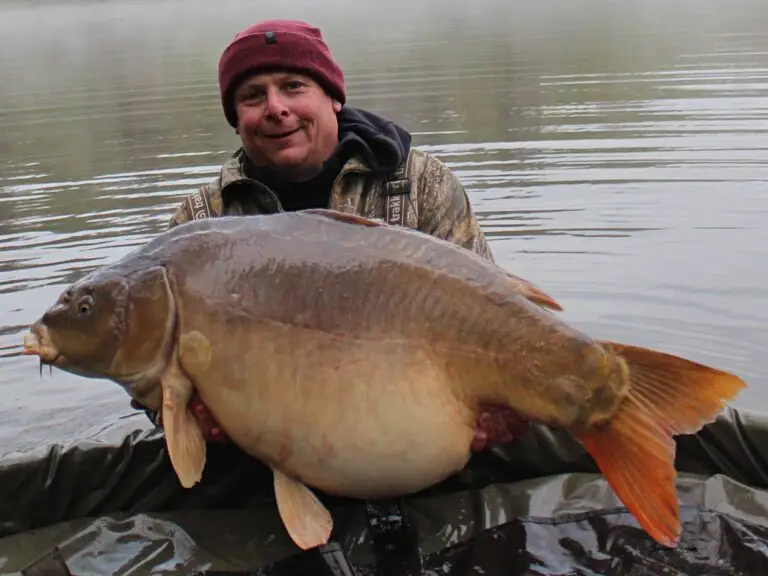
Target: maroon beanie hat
(278,44)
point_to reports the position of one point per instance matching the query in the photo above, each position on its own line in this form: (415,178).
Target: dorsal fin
(344,217)
(533,293)
(523,287)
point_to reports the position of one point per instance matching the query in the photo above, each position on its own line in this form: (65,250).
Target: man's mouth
(278,136)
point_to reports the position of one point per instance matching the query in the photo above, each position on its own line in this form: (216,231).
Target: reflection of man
(302,147)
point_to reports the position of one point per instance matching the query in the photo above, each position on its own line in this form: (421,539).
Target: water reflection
(616,155)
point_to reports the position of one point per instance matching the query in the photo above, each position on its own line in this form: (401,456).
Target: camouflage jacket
(422,194)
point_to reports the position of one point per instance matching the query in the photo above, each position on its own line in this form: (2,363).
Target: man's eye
(251,95)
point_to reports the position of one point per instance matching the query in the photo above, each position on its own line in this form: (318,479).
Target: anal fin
(306,519)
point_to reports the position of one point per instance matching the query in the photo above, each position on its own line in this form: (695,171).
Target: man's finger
(217,435)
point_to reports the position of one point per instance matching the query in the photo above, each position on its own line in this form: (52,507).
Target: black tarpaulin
(535,507)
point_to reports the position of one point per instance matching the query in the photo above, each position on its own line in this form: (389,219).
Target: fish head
(109,324)
(83,330)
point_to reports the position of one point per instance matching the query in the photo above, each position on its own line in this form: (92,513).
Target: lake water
(616,154)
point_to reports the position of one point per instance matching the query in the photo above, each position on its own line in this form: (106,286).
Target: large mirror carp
(357,358)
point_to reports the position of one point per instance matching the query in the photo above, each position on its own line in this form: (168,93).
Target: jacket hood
(382,143)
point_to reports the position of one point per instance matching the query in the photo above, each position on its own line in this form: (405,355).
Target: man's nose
(276,105)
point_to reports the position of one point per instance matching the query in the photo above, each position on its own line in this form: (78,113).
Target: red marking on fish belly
(284,452)
(497,424)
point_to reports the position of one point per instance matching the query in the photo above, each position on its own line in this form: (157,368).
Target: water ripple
(627,181)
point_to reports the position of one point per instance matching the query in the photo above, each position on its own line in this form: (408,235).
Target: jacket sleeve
(194,204)
(181,215)
(445,210)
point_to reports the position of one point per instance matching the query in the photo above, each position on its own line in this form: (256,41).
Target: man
(303,147)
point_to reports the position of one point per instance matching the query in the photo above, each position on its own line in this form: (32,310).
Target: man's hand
(212,432)
(496,425)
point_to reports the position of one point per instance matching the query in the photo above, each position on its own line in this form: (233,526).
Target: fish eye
(84,306)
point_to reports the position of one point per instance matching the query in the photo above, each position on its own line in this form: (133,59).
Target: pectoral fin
(186,445)
(194,353)
(307,521)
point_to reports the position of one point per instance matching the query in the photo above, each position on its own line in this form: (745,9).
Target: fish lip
(37,342)
(31,344)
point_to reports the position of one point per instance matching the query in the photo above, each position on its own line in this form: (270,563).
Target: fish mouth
(37,342)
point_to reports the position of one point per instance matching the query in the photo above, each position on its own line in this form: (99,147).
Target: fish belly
(381,284)
(361,418)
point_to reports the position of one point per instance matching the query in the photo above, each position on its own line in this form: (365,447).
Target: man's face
(286,122)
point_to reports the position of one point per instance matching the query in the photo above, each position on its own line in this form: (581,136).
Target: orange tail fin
(635,450)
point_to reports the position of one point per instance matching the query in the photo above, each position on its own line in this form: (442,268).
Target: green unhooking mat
(537,506)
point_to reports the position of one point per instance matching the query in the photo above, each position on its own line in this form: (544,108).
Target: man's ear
(336,106)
